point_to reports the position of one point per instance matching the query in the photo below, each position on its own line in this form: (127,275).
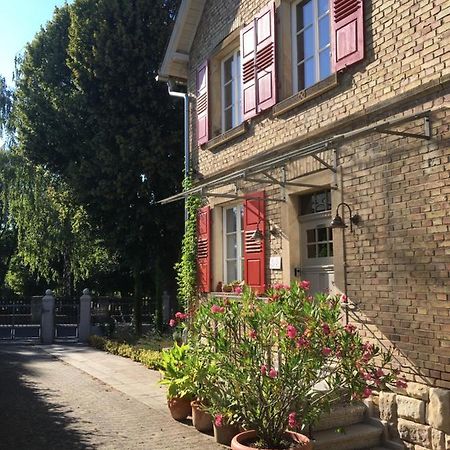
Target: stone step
(357,436)
(342,416)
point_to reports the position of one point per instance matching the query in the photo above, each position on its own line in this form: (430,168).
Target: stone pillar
(48,318)
(84,328)
(165,308)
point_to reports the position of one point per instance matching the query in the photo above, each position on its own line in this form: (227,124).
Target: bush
(149,358)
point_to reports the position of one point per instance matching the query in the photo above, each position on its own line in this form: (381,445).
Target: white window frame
(239,247)
(317,50)
(236,81)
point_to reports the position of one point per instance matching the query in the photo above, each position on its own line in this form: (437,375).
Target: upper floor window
(311,42)
(231,91)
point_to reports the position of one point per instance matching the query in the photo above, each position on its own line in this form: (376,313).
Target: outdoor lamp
(338,221)
(257,234)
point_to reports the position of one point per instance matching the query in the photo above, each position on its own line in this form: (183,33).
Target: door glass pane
(330,249)
(231,246)
(325,63)
(311,236)
(312,251)
(310,77)
(321,234)
(323,251)
(231,220)
(324,31)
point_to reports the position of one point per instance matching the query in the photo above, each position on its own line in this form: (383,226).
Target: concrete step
(342,416)
(357,436)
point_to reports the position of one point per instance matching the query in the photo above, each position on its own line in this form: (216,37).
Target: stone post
(48,318)
(84,328)
(165,308)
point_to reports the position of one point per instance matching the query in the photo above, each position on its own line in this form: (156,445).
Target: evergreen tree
(89,109)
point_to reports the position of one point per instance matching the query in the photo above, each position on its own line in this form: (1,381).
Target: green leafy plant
(279,363)
(186,268)
(150,358)
(175,369)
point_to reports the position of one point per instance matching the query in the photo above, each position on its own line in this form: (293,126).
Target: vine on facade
(186,268)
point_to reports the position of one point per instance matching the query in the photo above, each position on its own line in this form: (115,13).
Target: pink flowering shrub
(266,358)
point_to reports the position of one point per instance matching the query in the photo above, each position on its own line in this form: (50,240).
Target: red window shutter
(202,104)
(204,249)
(266,91)
(347,32)
(248,85)
(254,251)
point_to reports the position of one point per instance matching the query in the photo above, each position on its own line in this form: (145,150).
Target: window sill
(306,95)
(225,137)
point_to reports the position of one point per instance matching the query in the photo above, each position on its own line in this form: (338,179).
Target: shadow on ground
(29,420)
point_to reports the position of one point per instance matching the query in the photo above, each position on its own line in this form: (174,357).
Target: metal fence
(67,317)
(20,318)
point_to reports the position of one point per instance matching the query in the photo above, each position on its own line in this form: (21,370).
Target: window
(231,92)
(233,220)
(315,202)
(310,42)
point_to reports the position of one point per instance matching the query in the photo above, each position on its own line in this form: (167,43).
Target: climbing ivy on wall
(186,268)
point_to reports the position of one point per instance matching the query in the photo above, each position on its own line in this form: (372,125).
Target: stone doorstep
(342,416)
(357,436)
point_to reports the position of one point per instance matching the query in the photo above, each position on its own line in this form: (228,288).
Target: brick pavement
(66,398)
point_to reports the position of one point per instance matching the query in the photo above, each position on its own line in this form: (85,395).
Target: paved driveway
(79,398)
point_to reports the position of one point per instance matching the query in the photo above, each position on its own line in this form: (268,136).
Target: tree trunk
(137,314)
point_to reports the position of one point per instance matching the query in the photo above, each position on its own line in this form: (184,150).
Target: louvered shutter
(347,26)
(265,59)
(248,88)
(202,104)
(204,249)
(254,251)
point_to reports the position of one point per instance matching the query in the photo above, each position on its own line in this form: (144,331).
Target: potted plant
(177,378)
(282,361)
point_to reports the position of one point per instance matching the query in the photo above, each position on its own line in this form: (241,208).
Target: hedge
(150,358)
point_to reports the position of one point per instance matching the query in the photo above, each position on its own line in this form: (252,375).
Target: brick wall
(399,256)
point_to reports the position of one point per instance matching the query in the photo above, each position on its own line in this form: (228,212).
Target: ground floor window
(233,238)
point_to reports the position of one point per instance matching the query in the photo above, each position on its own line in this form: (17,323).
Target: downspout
(185,97)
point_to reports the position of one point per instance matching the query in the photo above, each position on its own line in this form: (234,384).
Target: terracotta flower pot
(201,420)
(179,408)
(224,434)
(239,441)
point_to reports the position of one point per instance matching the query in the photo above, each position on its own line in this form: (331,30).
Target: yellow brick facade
(398,257)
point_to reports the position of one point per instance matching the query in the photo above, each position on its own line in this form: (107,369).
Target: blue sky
(20,20)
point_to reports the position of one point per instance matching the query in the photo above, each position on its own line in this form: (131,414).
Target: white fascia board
(193,10)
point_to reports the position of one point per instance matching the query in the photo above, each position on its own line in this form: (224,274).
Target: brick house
(303,109)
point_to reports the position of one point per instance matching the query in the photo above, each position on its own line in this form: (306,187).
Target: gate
(20,318)
(67,318)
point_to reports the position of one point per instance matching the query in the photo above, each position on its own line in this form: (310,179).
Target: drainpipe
(185,97)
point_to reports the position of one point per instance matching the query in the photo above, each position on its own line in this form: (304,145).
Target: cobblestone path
(46,404)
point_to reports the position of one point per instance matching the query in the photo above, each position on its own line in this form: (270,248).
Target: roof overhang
(262,171)
(176,58)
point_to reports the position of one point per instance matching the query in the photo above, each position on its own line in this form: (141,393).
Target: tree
(54,238)
(88,108)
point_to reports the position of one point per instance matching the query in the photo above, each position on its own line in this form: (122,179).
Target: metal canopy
(259,171)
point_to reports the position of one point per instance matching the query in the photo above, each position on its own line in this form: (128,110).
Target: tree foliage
(55,239)
(89,110)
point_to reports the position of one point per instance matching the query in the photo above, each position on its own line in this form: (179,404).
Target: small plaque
(275,263)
